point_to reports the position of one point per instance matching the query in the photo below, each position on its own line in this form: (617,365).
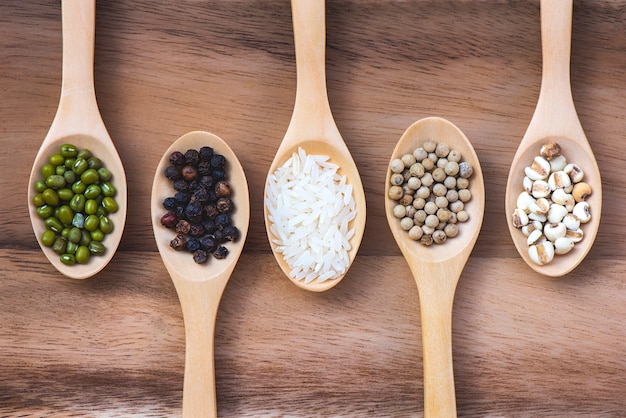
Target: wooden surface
(113,345)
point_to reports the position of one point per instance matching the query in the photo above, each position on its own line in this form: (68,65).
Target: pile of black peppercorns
(200,210)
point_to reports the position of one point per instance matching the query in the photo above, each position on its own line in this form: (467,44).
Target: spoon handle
(79,22)
(311,115)
(78,112)
(199,301)
(436,286)
(556,33)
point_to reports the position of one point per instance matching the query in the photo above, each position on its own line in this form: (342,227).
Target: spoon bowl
(79,122)
(313,128)
(555,119)
(200,287)
(437,268)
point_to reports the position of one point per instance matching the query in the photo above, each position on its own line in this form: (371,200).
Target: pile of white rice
(309,206)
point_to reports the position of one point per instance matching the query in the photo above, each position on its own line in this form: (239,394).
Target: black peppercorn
(204,168)
(180,185)
(196,230)
(193,244)
(222,189)
(169,203)
(169,220)
(172,173)
(209,225)
(191,157)
(200,257)
(219,235)
(193,210)
(205,153)
(210,211)
(220,252)
(183,227)
(181,198)
(206,182)
(177,158)
(231,233)
(179,211)
(189,173)
(224,205)
(179,242)
(222,220)
(219,174)
(208,243)
(218,161)
(200,195)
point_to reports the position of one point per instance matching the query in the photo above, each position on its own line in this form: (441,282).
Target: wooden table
(113,345)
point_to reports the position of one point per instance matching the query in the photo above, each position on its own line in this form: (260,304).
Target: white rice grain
(310,207)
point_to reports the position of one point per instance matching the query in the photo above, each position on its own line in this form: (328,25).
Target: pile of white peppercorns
(552,206)
(431,187)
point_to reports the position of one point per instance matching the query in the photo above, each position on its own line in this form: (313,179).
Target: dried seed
(519,218)
(563,245)
(554,231)
(550,149)
(541,253)
(581,191)
(575,173)
(582,212)
(539,169)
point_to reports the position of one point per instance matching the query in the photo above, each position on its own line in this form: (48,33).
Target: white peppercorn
(462,216)
(430,208)
(465,170)
(439,237)
(431,221)
(406,200)
(396,166)
(462,183)
(428,230)
(451,168)
(397,179)
(395,192)
(428,164)
(420,153)
(410,211)
(465,195)
(454,155)
(427,180)
(439,189)
(457,206)
(415,233)
(451,230)
(442,150)
(441,202)
(423,192)
(419,203)
(430,146)
(450,182)
(417,170)
(406,223)
(443,215)
(408,160)
(420,217)
(439,175)
(414,183)
(452,195)
(441,162)
(399,211)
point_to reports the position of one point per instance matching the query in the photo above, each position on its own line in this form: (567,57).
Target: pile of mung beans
(74,198)
(552,207)
(200,210)
(430,187)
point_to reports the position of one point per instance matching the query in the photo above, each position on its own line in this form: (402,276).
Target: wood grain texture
(113,345)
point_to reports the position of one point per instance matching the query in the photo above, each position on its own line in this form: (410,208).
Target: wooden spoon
(437,268)
(78,121)
(200,287)
(555,119)
(312,126)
